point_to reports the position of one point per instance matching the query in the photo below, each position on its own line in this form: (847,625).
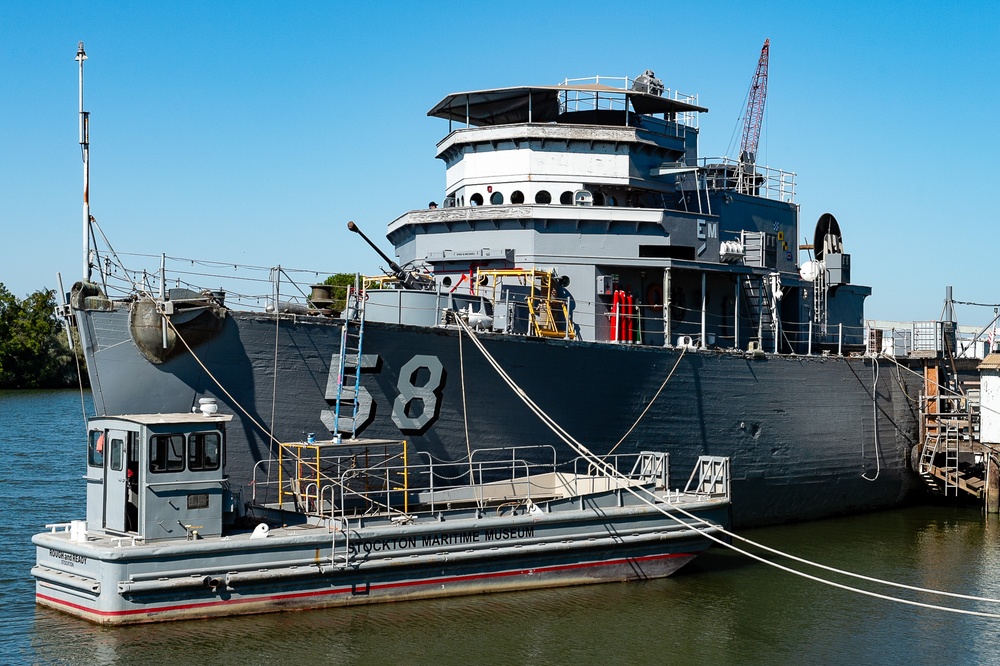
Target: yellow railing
(307,472)
(544,307)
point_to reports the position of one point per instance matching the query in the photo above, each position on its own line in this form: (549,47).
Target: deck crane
(746,175)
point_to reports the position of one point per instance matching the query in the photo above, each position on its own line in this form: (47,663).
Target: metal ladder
(352,338)
(946,441)
(759,307)
(952,439)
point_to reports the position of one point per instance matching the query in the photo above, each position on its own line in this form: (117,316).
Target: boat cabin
(157,476)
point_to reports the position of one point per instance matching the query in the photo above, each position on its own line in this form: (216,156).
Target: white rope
(611,471)
(213,377)
(465,421)
(655,396)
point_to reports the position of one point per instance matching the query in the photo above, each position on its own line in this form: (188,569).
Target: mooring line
(584,452)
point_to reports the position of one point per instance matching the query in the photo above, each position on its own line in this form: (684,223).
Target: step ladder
(352,336)
(927,456)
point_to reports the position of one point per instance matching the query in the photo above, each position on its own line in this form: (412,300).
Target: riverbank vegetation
(34,352)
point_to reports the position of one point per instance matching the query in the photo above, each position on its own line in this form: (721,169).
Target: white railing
(390,487)
(723,173)
(589,100)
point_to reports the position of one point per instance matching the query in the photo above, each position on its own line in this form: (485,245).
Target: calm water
(723,608)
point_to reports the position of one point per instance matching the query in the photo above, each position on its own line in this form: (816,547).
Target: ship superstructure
(604,186)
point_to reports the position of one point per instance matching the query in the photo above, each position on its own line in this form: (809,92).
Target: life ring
(654,297)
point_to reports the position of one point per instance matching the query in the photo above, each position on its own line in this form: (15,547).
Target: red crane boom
(755,110)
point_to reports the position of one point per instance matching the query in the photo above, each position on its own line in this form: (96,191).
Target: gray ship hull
(808,436)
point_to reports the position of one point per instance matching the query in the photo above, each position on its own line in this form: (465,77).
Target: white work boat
(344,522)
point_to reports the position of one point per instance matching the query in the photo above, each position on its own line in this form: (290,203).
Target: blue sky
(251,132)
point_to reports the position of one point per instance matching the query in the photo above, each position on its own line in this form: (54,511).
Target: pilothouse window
(204,451)
(166,453)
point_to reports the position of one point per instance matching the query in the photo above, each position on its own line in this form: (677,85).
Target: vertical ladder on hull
(820,303)
(349,374)
(952,438)
(759,308)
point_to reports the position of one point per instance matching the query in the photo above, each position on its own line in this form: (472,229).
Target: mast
(81,55)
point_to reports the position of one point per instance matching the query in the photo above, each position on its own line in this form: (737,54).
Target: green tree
(341,281)
(33,351)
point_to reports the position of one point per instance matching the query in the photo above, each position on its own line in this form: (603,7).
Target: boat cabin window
(517,197)
(476,199)
(566,199)
(166,453)
(95,451)
(496,198)
(117,459)
(543,197)
(204,451)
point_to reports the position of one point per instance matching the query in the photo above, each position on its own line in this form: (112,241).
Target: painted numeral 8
(405,412)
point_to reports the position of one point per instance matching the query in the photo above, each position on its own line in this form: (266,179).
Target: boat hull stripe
(343,590)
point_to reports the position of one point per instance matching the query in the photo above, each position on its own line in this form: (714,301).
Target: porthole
(611,201)
(543,197)
(476,199)
(598,198)
(517,197)
(496,198)
(566,199)
(446,281)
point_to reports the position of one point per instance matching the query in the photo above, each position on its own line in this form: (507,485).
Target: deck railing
(337,485)
(724,173)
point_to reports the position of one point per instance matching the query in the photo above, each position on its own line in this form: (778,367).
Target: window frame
(196,451)
(169,464)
